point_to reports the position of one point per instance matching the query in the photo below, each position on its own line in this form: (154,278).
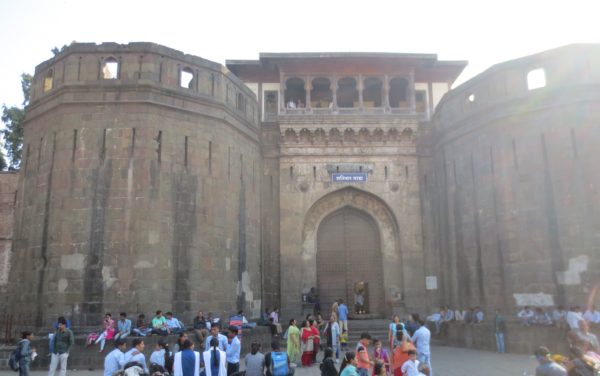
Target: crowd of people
(220,351)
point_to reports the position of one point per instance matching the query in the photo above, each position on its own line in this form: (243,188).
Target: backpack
(15,356)
(280,364)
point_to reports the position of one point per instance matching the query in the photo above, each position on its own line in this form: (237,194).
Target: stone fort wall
(136,193)
(510,185)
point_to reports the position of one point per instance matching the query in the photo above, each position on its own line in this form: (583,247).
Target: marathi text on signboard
(349,177)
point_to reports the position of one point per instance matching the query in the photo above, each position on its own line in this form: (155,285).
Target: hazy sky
(482,32)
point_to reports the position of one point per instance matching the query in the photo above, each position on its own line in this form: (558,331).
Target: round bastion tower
(138,188)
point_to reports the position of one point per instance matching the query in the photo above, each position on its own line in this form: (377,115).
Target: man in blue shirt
(115,360)
(123,326)
(173,324)
(343,316)
(421,339)
(214,333)
(233,351)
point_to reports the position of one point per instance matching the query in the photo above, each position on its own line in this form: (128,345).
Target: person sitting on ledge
(141,327)
(541,318)
(159,324)
(174,325)
(526,316)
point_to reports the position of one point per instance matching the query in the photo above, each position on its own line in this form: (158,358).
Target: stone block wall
(139,194)
(509,185)
(8,192)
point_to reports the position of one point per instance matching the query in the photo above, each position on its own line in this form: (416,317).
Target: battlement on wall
(143,66)
(525,84)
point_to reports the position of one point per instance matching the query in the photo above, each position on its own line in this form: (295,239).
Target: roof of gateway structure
(269,66)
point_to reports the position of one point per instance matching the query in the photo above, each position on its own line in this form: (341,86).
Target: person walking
(293,342)
(348,367)
(63,341)
(25,353)
(233,351)
(115,360)
(214,359)
(421,339)
(343,316)
(363,362)
(187,361)
(255,361)
(499,329)
(332,336)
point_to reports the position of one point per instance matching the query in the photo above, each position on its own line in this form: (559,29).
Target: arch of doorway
(388,232)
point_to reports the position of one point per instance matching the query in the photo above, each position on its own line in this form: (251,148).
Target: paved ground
(447,361)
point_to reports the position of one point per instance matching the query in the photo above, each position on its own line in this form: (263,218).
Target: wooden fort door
(348,252)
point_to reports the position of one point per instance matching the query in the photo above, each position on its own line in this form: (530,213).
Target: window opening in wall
(209,157)
(295,94)
(385,172)
(421,100)
(321,95)
(536,79)
(372,92)
(398,95)
(314,172)
(291,172)
(185,152)
(159,149)
(110,68)
(347,94)
(48,80)
(406,170)
(271,103)
(337,168)
(186,78)
(240,102)
(74,145)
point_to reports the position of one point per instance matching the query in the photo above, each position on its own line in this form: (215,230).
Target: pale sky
(482,32)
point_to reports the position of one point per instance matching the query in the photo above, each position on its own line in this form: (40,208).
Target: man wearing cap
(547,367)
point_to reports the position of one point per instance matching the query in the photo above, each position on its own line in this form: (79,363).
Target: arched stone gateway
(357,229)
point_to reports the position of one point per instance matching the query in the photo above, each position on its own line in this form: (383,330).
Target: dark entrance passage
(349,252)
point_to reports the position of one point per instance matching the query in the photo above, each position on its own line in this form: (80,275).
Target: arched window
(186,78)
(321,95)
(372,92)
(110,68)
(398,93)
(295,95)
(347,95)
(48,80)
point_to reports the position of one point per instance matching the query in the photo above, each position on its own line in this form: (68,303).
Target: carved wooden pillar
(361,103)
(386,92)
(334,87)
(282,103)
(307,89)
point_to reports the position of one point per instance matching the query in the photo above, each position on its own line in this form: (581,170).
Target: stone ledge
(518,339)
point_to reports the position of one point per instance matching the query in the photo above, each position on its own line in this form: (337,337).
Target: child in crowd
(344,340)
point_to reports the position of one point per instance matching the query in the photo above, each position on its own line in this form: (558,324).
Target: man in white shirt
(526,316)
(574,317)
(559,316)
(115,360)
(136,354)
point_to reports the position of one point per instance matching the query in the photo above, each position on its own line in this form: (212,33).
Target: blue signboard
(349,177)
